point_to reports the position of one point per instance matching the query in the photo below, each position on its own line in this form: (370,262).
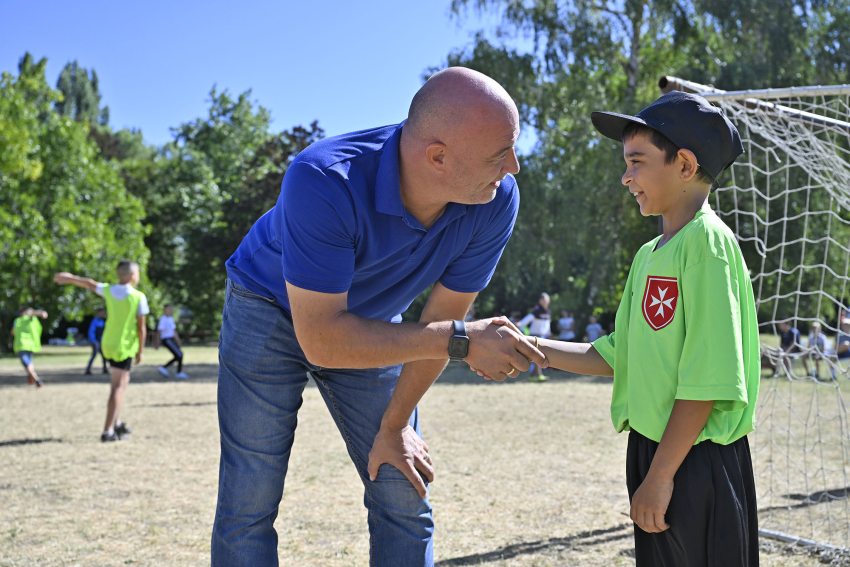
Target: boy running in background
(26,330)
(685,355)
(123,336)
(166,333)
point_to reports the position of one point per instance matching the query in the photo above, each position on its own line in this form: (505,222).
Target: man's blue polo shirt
(339,225)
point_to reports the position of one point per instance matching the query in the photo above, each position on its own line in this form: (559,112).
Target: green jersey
(686,329)
(120,339)
(27,334)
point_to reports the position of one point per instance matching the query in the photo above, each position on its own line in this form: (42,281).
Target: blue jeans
(262,374)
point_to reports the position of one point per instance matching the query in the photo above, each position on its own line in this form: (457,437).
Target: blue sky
(348,64)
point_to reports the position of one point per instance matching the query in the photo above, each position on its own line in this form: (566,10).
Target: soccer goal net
(788,201)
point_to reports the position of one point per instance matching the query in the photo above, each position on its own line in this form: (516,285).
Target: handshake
(498,350)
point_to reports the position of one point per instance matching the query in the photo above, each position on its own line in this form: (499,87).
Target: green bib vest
(27,334)
(120,335)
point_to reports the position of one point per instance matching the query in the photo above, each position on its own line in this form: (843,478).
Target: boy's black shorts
(712,514)
(125,364)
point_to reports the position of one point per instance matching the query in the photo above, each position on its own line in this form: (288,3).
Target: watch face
(458,347)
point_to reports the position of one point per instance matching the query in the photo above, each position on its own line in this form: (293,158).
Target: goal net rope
(788,201)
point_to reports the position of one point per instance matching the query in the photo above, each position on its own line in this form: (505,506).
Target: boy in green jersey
(26,330)
(123,336)
(685,353)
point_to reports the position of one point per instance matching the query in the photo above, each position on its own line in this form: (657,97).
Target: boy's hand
(497,350)
(649,504)
(138,358)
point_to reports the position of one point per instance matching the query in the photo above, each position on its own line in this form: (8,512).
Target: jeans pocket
(237,289)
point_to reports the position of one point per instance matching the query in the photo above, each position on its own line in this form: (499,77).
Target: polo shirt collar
(388,188)
(388,180)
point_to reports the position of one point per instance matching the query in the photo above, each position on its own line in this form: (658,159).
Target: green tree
(62,207)
(81,97)
(203,192)
(578,228)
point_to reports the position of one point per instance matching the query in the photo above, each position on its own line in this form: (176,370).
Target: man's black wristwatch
(459,341)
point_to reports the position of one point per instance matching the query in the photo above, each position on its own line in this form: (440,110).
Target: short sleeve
(160,326)
(711,366)
(606,346)
(143,306)
(472,270)
(318,230)
(100,289)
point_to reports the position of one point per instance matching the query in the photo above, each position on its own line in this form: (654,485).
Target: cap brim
(612,124)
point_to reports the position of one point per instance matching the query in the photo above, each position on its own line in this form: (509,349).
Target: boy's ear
(688,164)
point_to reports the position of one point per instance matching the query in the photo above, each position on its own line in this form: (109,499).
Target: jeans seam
(349,443)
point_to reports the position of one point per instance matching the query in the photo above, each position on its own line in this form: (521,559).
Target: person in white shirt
(539,323)
(566,326)
(166,334)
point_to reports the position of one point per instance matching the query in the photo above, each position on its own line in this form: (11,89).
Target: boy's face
(652,181)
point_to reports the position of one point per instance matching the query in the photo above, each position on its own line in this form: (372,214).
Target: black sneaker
(107,437)
(122,430)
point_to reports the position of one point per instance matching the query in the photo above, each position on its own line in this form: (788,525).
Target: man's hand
(497,350)
(404,450)
(138,358)
(649,504)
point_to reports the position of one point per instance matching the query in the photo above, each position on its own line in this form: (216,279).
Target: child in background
(166,334)
(26,330)
(95,334)
(123,336)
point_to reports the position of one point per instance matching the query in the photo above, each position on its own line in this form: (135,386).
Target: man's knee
(392,493)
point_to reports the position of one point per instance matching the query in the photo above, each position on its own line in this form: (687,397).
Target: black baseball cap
(687,120)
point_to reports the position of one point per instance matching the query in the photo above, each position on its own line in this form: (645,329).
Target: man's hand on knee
(404,450)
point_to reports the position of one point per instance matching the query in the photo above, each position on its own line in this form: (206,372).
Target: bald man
(366,222)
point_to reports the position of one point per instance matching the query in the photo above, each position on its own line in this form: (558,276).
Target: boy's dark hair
(126,267)
(664,144)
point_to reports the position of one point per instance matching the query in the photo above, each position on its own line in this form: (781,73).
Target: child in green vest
(685,352)
(123,336)
(26,330)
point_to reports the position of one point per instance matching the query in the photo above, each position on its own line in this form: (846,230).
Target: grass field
(527,473)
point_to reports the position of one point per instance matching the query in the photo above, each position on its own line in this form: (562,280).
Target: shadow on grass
(35,441)
(806,500)
(145,374)
(455,374)
(178,405)
(581,539)
(459,373)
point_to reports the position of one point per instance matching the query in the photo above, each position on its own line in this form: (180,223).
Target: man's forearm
(579,358)
(354,342)
(416,377)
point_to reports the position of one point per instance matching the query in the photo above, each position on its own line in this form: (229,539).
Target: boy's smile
(648,177)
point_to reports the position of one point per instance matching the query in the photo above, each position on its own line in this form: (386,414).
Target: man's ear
(688,164)
(435,153)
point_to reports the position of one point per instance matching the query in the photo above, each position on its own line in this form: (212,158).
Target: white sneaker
(182,376)
(164,371)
